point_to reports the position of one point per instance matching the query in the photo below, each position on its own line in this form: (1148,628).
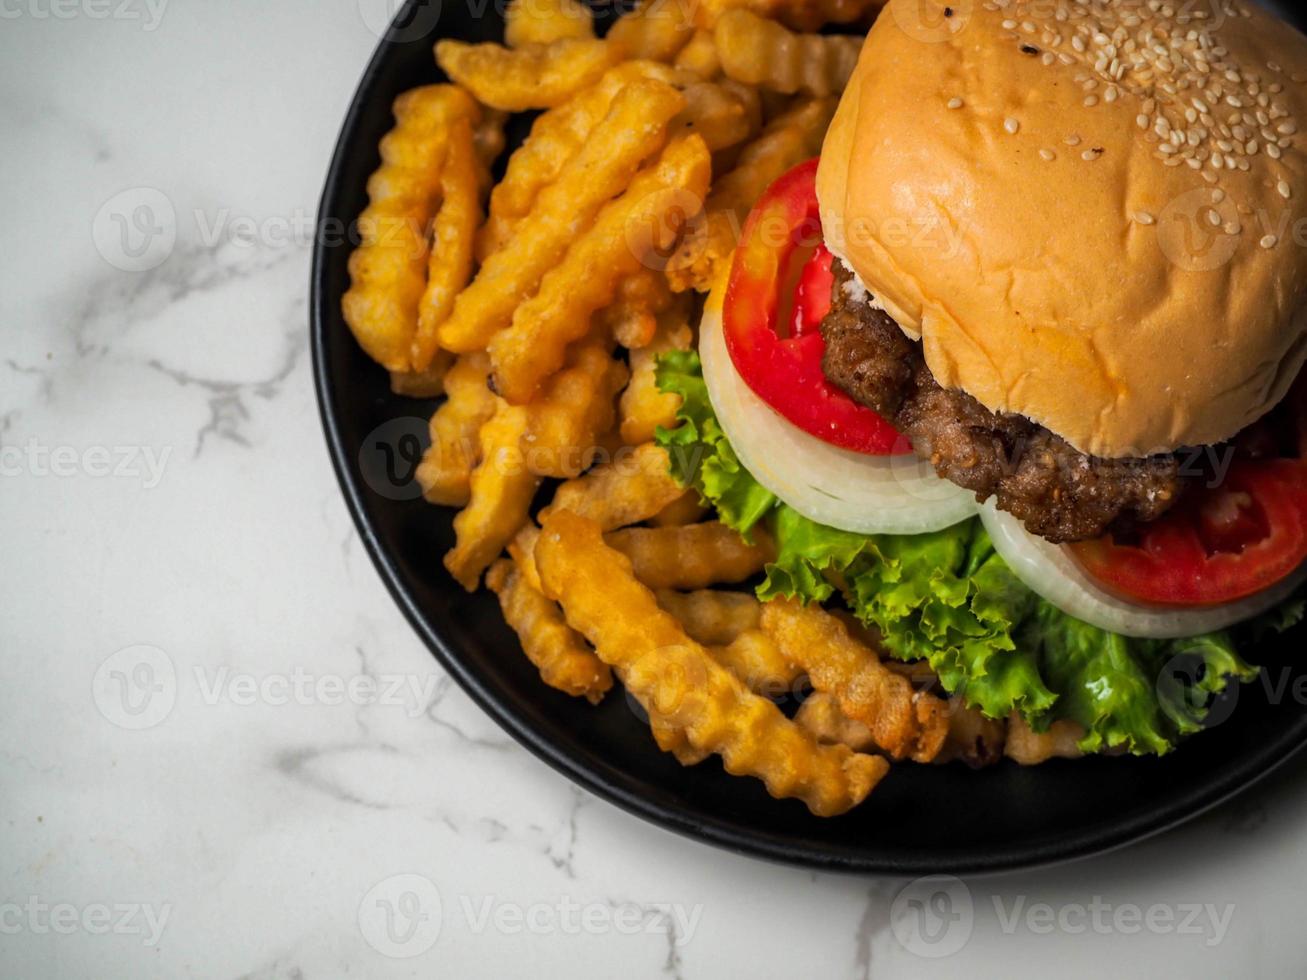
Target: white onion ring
(836,487)
(1051,572)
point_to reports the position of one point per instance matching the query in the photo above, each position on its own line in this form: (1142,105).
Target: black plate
(920,820)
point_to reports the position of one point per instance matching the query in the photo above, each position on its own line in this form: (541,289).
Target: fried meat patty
(1057,491)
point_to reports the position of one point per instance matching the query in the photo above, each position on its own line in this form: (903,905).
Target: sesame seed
(1048,154)
(1213,218)
(1285,190)
(1091,101)
(1272,151)
(1141,121)
(1093,154)
(1072,140)
(1268,241)
(1048,58)
(1011,125)
(1218,196)
(1232,228)
(955,103)
(1009,25)
(1144,218)
(1287,128)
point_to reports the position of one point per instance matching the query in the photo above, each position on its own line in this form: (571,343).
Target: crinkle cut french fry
(685,691)
(903,721)
(655,30)
(546,21)
(501,490)
(575,407)
(644,406)
(388,269)
(713,617)
(789,139)
(523,551)
(634,128)
(556,137)
(566,663)
(724,114)
(452,237)
(802,15)
(632,318)
(820,714)
(446,469)
(1030,748)
(694,556)
(534,77)
(972,738)
(757,661)
(632,487)
(646,219)
(700,56)
(685,509)
(761,52)
(428,383)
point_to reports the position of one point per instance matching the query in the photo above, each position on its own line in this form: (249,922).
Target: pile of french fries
(538,307)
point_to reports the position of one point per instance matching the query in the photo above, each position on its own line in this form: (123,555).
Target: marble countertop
(223,753)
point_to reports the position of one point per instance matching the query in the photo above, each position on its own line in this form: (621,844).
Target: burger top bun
(1092,214)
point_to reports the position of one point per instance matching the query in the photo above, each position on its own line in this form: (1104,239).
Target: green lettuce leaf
(947,597)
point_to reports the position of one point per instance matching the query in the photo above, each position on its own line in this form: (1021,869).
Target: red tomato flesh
(785,371)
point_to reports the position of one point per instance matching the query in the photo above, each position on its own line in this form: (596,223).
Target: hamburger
(1028,401)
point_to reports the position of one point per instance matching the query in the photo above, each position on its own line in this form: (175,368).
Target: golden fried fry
(523,551)
(1029,748)
(643,406)
(634,128)
(489,140)
(632,319)
(700,56)
(789,139)
(904,722)
(685,509)
(446,469)
(574,408)
(820,714)
(755,659)
(713,617)
(534,77)
(802,15)
(694,556)
(725,114)
(564,660)
(388,269)
(529,22)
(972,738)
(633,487)
(500,499)
(758,51)
(647,218)
(452,237)
(691,699)
(429,383)
(556,137)
(655,30)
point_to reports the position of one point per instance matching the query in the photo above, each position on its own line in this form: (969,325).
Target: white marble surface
(243,833)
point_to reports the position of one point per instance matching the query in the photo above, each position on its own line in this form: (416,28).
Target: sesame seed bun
(997,178)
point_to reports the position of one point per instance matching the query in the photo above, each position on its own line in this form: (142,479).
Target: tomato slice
(785,372)
(1220,544)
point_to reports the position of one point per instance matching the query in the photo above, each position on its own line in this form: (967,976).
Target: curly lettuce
(947,597)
